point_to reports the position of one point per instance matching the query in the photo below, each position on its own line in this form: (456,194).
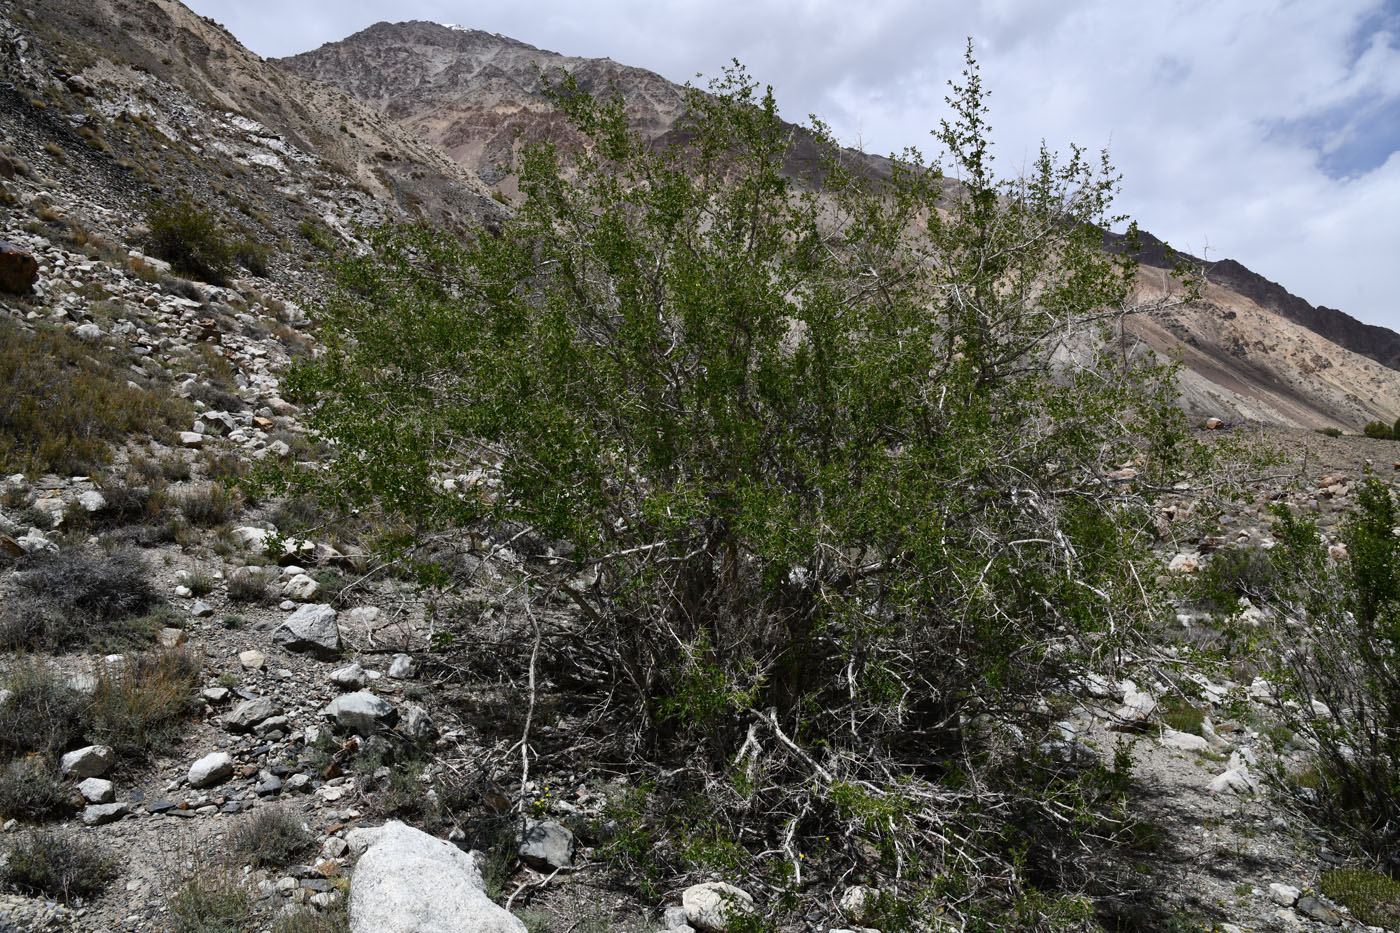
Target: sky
(1266,131)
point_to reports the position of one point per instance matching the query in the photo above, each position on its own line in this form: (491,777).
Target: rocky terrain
(328,704)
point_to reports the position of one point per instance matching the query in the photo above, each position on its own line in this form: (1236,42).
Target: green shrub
(1233,573)
(66,403)
(78,596)
(1379,430)
(1329,432)
(42,713)
(30,790)
(194,241)
(271,837)
(836,496)
(1345,675)
(1372,898)
(252,256)
(62,866)
(210,901)
(141,704)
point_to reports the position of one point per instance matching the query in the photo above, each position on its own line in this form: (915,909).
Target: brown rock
(18,270)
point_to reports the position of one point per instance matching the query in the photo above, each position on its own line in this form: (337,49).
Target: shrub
(78,596)
(834,494)
(1345,675)
(247,585)
(65,403)
(305,920)
(210,505)
(1329,432)
(58,865)
(194,241)
(1372,898)
(42,713)
(1379,430)
(271,837)
(1232,573)
(140,705)
(210,901)
(30,790)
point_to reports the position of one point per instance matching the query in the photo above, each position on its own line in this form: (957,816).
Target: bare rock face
(410,882)
(18,269)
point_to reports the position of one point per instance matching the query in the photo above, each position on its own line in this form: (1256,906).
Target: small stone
(402,667)
(1183,740)
(215,694)
(1214,424)
(350,677)
(297,783)
(417,724)
(201,609)
(97,790)
(191,440)
(1285,895)
(1319,910)
(183,592)
(334,847)
(252,660)
(268,784)
(93,761)
(214,768)
(103,813)
(170,637)
(92,501)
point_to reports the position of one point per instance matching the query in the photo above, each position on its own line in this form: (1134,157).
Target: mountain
(172,90)
(1252,351)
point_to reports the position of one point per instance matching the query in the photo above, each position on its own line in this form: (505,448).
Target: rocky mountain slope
(1251,350)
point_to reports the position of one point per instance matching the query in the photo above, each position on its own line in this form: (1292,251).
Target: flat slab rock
(410,882)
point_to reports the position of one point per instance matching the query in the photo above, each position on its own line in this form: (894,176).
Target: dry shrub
(67,403)
(62,866)
(140,705)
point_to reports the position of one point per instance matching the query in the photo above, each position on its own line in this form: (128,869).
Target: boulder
(300,588)
(249,713)
(417,724)
(546,845)
(711,906)
(100,814)
(402,667)
(1285,895)
(97,790)
(312,630)
(1235,781)
(362,713)
(18,269)
(214,768)
(93,761)
(409,882)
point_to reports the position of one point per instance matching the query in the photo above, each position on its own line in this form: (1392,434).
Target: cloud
(1264,132)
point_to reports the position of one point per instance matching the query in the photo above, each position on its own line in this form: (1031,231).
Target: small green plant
(271,837)
(1372,898)
(1329,432)
(62,866)
(210,901)
(200,582)
(1184,717)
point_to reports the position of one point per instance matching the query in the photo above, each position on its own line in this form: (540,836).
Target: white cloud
(1224,118)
